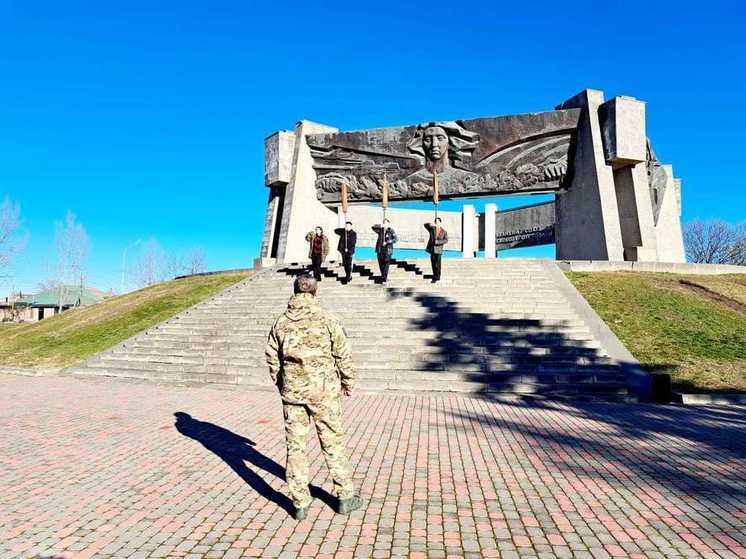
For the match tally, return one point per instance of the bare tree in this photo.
(11, 244)
(738, 254)
(72, 246)
(193, 262)
(152, 265)
(714, 242)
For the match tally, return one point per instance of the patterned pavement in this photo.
(99, 468)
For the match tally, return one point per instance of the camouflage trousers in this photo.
(327, 417)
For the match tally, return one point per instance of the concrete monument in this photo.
(613, 198)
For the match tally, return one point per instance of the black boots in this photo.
(300, 514)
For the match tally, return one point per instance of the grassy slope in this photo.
(672, 328)
(81, 333)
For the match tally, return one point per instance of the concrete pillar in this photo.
(490, 213)
(636, 213)
(302, 210)
(668, 228)
(587, 214)
(470, 230)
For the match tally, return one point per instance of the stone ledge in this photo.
(31, 372)
(712, 399)
(659, 267)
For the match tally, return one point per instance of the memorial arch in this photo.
(613, 199)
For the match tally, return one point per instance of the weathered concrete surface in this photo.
(587, 213)
(482, 156)
(302, 211)
(669, 236)
(103, 469)
(278, 157)
(594, 155)
(30, 371)
(525, 226)
(635, 213)
(623, 131)
(661, 267)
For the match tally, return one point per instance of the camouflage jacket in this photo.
(308, 354)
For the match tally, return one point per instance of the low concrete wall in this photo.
(661, 267)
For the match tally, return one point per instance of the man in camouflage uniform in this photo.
(311, 364)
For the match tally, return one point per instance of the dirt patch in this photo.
(714, 296)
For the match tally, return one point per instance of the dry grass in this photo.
(77, 334)
(674, 328)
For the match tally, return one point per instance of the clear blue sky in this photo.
(147, 119)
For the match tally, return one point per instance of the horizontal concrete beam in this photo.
(659, 267)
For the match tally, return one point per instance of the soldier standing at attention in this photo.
(385, 246)
(436, 242)
(311, 364)
(346, 247)
(317, 250)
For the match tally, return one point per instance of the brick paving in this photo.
(98, 468)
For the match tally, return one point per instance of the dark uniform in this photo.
(436, 242)
(385, 248)
(346, 247)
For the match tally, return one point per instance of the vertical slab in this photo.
(490, 211)
(587, 215)
(270, 224)
(469, 230)
(636, 213)
(668, 228)
(302, 210)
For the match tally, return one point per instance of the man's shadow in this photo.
(237, 451)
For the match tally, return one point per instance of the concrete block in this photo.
(278, 157)
(623, 131)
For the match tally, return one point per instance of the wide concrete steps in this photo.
(490, 326)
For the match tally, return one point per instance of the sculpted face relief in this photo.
(435, 143)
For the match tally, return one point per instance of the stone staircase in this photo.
(488, 326)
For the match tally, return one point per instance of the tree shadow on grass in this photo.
(236, 451)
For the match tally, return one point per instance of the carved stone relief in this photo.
(522, 153)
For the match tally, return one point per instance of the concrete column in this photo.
(636, 213)
(490, 213)
(303, 211)
(469, 231)
(587, 214)
(668, 228)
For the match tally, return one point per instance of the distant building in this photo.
(47, 303)
(12, 309)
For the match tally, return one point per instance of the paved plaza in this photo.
(99, 468)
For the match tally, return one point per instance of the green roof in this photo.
(73, 296)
